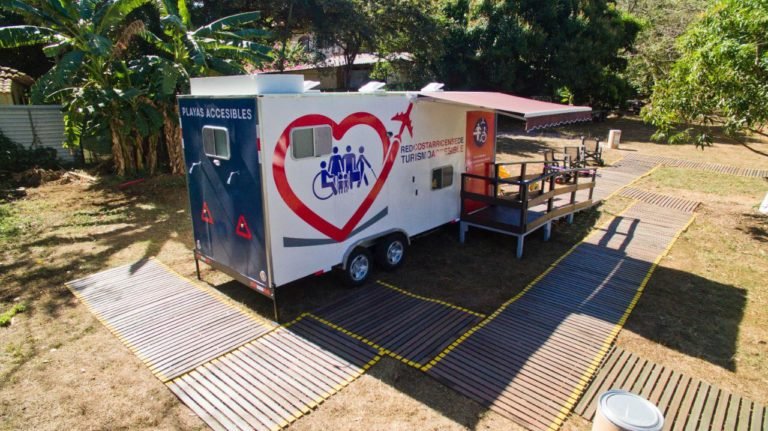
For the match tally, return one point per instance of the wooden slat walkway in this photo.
(680, 204)
(704, 166)
(610, 180)
(687, 403)
(171, 324)
(531, 359)
(407, 327)
(274, 380)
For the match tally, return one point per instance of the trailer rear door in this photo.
(225, 185)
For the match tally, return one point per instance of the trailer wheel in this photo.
(358, 268)
(390, 251)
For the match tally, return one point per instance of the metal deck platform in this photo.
(685, 402)
(531, 359)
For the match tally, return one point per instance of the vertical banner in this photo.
(480, 154)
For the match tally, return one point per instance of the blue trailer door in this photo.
(225, 185)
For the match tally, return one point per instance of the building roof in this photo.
(339, 61)
(535, 113)
(8, 76)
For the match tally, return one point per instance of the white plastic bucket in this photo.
(614, 138)
(619, 410)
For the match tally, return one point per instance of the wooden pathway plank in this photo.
(411, 329)
(503, 363)
(172, 324)
(684, 205)
(273, 380)
(704, 166)
(686, 403)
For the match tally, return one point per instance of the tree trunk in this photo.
(152, 154)
(117, 148)
(139, 149)
(172, 133)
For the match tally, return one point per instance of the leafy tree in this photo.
(27, 59)
(87, 38)
(655, 50)
(535, 48)
(221, 47)
(128, 95)
(720, 78)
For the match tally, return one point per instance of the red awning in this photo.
(535, 113)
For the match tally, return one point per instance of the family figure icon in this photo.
(342, 173)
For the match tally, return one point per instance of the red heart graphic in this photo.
(390, 150)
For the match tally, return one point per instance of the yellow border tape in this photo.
(587, 376)
(528, 287)
(425, 298)
(220, 297)
(215, 295)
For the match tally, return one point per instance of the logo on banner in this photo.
(343, 172)
(480, 132)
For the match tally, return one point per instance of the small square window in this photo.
(311, 142)
(442, 177)
(216, 142)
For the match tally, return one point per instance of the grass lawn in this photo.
(704, 312)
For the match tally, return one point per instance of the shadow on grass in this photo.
(692, 315)
(150, 214)
(757, 226)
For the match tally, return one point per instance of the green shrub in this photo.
(16, 158)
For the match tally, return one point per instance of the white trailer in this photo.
(286, 182)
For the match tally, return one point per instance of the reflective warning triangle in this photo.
(242, 228)
(206, 214)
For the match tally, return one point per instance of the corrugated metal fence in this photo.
(21, 123)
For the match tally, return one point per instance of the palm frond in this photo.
(196, 52)
(113, 12)
(58, 8)
(24, 35)
(239, 54)
(62, 75)
(225, 67)
(246, 34)
(24, 9)
(231, 21)
(172, 24)
(184, 14)
(155, 41)
(56, 49)
(87, 8)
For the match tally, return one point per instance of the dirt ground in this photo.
(705, 310)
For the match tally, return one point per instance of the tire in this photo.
(391, 251)
(358, 267)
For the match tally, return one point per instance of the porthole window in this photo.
(311, 142)
(216, 142)
(442, 177)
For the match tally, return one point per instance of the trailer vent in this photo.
(433, 86)
(372, 87)
(310, 85)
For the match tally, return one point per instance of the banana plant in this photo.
(130, 100)
(87, 38)
(222, 47)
